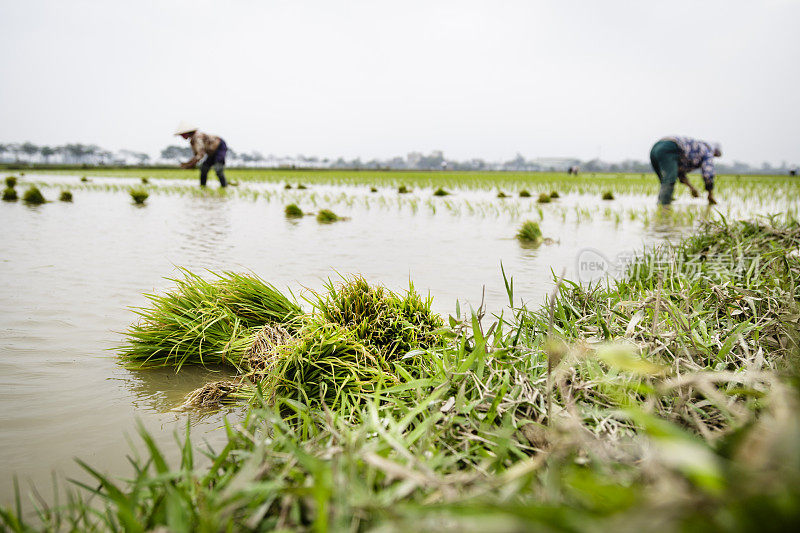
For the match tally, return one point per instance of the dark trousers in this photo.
(216, 160)
(665, 156)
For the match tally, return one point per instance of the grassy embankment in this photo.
(666, 400)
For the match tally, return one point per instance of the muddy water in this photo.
(69, 274)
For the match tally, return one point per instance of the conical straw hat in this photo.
(185, 127)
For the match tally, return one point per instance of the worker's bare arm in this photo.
(683, 179)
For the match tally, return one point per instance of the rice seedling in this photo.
(391, 325)
(205, 322)
(544, 198)
(373, 189)
(9, 194)
(440, 192)
(11, 182)
(554, 195)
(301, 187)
(84, 179)
(501, 194)
(402, 189)
(530, 233)
(608, 195)
(145, 181)
(326, 363)
(524, 193)
(326, 216)
(287, 186)
(66, 196)
(139, 196)
(293, 211)
(33, 196)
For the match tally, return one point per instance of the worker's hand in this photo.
(187, 164)
(694, 192)
(711, 200)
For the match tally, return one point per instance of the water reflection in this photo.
(163, 389)
(205, 227)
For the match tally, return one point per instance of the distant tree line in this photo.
(93, 155)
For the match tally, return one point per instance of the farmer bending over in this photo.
(211, 147)
(673, 157)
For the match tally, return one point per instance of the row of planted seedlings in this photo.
(664, 400)
(758, 188)
(514, 208)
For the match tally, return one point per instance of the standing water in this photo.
(71, 272)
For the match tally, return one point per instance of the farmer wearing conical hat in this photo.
(673, 157)
(211, 147)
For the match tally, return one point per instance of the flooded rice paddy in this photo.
(71, 272)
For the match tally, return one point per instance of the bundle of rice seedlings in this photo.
(287, 186)
(33, 196)
(373, 189)
(501, 194)
(301, 187)
(145, 181)
(530, 233)
(84, 179)
(139, 196)
(202, 321)
(11, 181)
(544, 198)
(608, 195)
(390, 324)
(554, 194)
(326, 216)
(403, 189)
(326, 363)
(66, 196)
(254, 301)
(524, 193)
(9, 194)
(440, 192)
(292, 211)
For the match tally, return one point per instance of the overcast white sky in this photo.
(375, 79)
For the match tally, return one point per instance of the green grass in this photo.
(33, 196)
(666, 399)
(139, 196)
(293, 211)
(9, 194)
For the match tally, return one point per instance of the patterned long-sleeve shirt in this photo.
(203, 144)
(695, 154)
